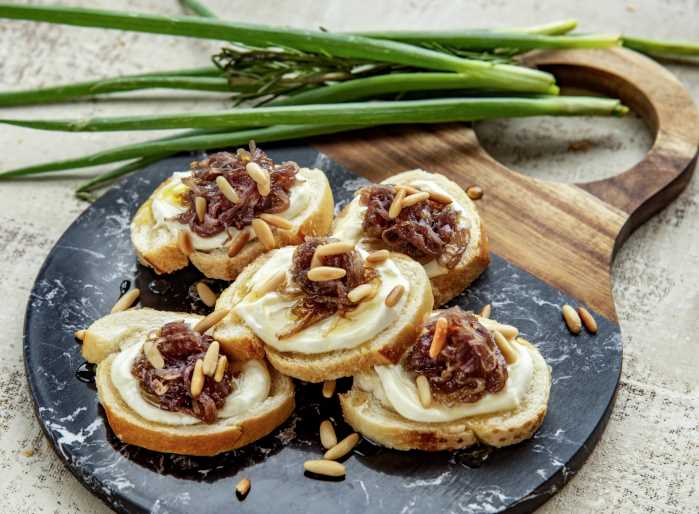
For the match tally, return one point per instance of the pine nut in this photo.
(260, 176)
(328, 438)
(393, 297)
(508, 331)
(328, 468)
(200, 207)
(263, 233)
(396, 204)
(80, 334)
(342, 448)
(357, 294)
(588, 320)
(206, 295)
(486, 310)
(184, 243)
(238, 242)
(227, 189)
(126, 301)
(221, 367)
(272, 283)
(424, 392)
(211, 359)
(408, 189)
(439, 339)
(152, 353)
(323, 273)
(276, 221)
(329, 388)
(475, 192)
(572, 319)
(243, 488)
(209, 321)
(197, 384)
(411, 200)
(337, 248)
(440, 197)
(377, 257)
(505, 348)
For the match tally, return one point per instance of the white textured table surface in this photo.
(648, 458)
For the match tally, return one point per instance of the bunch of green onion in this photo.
(303, 83)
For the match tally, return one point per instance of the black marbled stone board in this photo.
(81, 280)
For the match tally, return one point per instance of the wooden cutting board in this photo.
(564, 234)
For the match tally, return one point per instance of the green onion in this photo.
(357, 113)
(488, 40)
(100, 180)
(556, 28)
(198, 8)
(661, 48)
(340, 45)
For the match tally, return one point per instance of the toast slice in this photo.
(385, 348)
(373, 420)
(446, 284)
(156, 244)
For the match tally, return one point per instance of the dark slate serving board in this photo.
(81, 280)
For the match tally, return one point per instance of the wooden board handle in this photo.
(663, 103)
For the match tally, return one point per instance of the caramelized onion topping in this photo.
(426, 230)
(321, 299)
(170, 387)
(220, 212)
(470, 364)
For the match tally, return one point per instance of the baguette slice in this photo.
(370, 418)
(475, 258)
(385, 348)
(201, 439)
(156, 245)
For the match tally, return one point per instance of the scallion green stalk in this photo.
(661, 48)
(198, 8)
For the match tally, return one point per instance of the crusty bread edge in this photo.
(498, 430)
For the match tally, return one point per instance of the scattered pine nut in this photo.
(276, 221)
(211, 359)
(411, 200)
(184, 243)
(396, 204)
(505, 347)
(342, 448)
(486, 310)
(200, 207)
(127, 300)
(272, 283)
(197, 384)
(588, 320)
(475, 192)
(240, 240)
(80, 334)
(323, 273)
(329, 388)
(209, 321)
(221, 367)
(263, 233)
(328, 468)
(206, 295)
(227, 189)
(393, 297)
(508, 331)
(424, 391)
(377, 257)
(260, 176)
(439, 339)
(242, 488)
(152, 353)
(408, 189)
(337, 248)
(328, 438)
(358, 294)
(572, 319)
(441, 197)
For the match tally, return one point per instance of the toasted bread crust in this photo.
(160, 251)
(370, 418)
(201, 439)
(385, 348)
